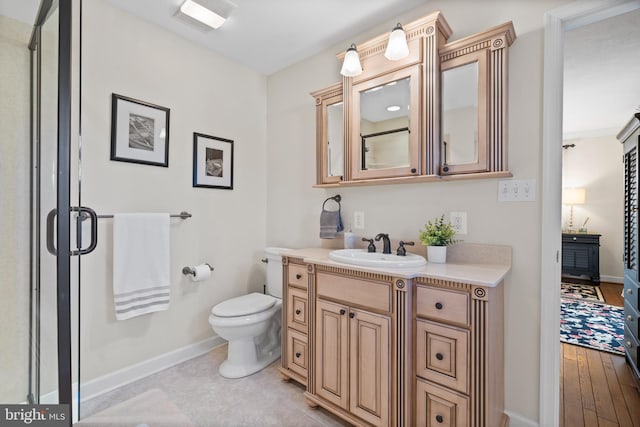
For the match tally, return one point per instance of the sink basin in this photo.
(376, 259)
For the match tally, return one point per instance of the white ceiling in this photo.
(602, 60)
(601, 76)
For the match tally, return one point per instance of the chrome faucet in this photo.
(386, 249)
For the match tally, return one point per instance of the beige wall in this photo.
(595, 165)
(14, 198)
(293, 206)
(206, 93)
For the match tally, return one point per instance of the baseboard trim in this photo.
(124, 376)
(611, 279)
(517, 420)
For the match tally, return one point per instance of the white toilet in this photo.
(251, 324)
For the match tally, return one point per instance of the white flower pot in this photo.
(437, 254)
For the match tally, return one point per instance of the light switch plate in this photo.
(358, 220)
(517, 190)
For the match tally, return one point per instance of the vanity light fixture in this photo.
(397, 46)
(210, 13)
(351, 65)
(393, 108)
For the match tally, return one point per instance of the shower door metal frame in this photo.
(63, 202)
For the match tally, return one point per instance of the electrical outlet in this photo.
(358, 220)
(458, 221)
(517, 190)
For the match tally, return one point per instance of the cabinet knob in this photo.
(629, 291)
(414, 170)
(630, 318)
(439, 356)
(439, 419)
(439, 305)
(575, 238)
(628, 343)
(352, 315)
(298, 276)
(298, 311)
(342, 311)
(298, 354)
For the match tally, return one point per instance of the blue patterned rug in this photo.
(590, 324)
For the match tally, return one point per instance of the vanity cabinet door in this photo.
(332, 352)
(369, 366)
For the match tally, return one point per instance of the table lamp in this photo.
(571, 197)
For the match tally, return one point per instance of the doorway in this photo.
(557, 22)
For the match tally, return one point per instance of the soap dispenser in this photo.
(349, 239)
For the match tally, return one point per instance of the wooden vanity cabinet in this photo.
(379, 350)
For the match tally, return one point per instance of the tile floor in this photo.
(210, 400)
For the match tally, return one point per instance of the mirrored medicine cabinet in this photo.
(438, 114)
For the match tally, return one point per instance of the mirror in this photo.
(463, 114)
(384, 125)
(460, 115)
(385, 139)
(335, 139)
(330, 145)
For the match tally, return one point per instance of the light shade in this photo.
(397, 46)
(351, 66)
(573, 196)
(202, 14)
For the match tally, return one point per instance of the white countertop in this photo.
(484, 274)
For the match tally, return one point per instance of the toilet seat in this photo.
(244, 305)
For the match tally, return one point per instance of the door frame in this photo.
(556, 22)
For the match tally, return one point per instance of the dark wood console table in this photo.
(581, 255)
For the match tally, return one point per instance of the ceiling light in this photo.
(393, 108)
(210, 13)
(351, 66)
(397, 46)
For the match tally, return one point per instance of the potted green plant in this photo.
(436, 236)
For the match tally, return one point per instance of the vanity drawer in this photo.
(298, 276)
(368, 293)
(297, 310)
(631, 318)
(442, 355)
(297, 352)
(442, 304)
(437, 406)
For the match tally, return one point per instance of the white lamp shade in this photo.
(573, 196)
(397, 47)
(351, 66)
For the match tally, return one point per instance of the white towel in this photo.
(141, 250)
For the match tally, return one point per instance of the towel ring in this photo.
(335, 198)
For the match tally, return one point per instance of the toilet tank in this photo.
(274, 271)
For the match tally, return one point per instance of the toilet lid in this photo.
(243, 305)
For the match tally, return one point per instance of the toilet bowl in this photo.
(251, 324)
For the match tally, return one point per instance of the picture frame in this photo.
(139, 131)
(212, 162)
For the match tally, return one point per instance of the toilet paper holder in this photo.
(189, 270)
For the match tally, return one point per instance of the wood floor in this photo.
(597, 388)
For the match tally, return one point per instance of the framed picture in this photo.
(139, 132)
(212, 162)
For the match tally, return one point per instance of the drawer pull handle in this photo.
(298, 354)
(629, 291)
(439, 356)
(342, 311)
(298, 276)
(630, 318)
(439, 419)
(352, 315)
(439, 305)
(628, 344)
(298, 311)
